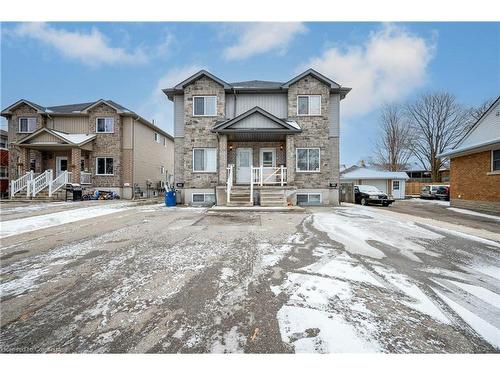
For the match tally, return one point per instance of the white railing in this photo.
(229, 182)
(269, 176)
(85, 178)
(21, 183)
(40, 182)
(59, 182)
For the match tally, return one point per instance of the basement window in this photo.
(308, 199)
(203, 198)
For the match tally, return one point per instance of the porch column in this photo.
(74, 167)
(24, 160)
(222, 159)
(290, 159)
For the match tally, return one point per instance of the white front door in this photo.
(396, 189)
(61, 164)
(243, 165)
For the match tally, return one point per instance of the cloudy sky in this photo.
(62, 63)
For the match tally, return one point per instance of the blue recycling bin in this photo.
(170, 199)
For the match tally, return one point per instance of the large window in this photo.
(495, 162)
(203, 198)
(308, 159)
(204, 106)
(27, 124)
(104, 166)
(204, 160)
(105, 125)
(309, 105)
(304, 199)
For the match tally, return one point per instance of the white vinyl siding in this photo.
(204, 106)
(27, 124)
(308, 159)
(304, 199)
(105, 125)
(309, 105)
(203, 198)
(104, 166)
(204, 160)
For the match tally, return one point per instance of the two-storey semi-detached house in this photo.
(100, 145)
(257, 142)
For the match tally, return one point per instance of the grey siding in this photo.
(179, 116)
(256, 121)
(272, 103)
(334, 121)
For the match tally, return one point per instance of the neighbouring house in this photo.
(99, 145)
(391, 183)
(417, 173)
(475, 164)
(4, 164)
(257, 142)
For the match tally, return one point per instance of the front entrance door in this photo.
(243, 165)
(396, 189)
(61, 164)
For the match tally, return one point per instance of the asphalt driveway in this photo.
(155, 279)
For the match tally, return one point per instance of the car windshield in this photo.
(369, 189)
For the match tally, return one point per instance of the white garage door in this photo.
(379, 184)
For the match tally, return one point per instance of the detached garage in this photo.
(391, 183)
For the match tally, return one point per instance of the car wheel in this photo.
(363, 202)
(385, 204)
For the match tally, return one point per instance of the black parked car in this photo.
(366, 194)
(443, 193)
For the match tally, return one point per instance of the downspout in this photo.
(133, 152)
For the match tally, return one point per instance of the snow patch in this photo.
(474, 213)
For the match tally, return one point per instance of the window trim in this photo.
(157, 138)
(205, 148)
(204, 105)
(97, 169)
(26, 118)
(308, 194)
(104, 132)
(297, 170)
(204, 198)
(309, 105)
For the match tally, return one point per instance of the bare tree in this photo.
(392, 148)
(438, 122)
(477, 112)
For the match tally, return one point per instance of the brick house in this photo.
(475, 164)
(257, 142)
(100, 145)
(4, 164)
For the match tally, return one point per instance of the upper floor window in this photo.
(204, 160)
(495, 162)
(204, 106)
(105, 125)
(309, 105)
(308, 159)
(165, 141)
(157, 138)
(3, 142)
(27, 124)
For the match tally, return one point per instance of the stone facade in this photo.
(473, 184)
(197, 132)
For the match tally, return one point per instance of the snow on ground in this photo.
(14, 227)
(474, 213)
(35, 207)
(429, 201)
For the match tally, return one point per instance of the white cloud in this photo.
(386, 68)
(89, 48)
(157, 107)
(257, 38)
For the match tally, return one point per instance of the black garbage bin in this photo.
(77, 194)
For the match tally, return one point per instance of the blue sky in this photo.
(60, 63)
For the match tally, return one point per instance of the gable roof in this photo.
(481, 136)
(315, 74)
(198, 75)
(8, 110)
(283, 125)
(70, 139)
(362, 173)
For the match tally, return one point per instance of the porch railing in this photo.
(269, 176)
(40, 182)
(85, 178)
(21, 183)
(59, 182)
(229, 182)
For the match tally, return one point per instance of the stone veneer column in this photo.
(76, 156)
(290, 159)
(222, 159)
